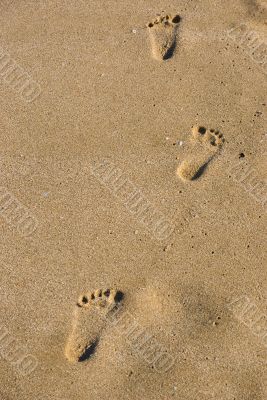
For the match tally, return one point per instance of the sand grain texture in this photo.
(177, 110)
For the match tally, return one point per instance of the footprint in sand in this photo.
(163, 36)
(92, 314)
(206, 145)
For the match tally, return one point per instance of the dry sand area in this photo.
(133, 200)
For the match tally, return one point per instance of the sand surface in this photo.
(133, 200)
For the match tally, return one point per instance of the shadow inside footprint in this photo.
(200, 171)
(170, 52)
(206, 146)
(119, 296)
(88, 352)
(92, 314)
(163, 36)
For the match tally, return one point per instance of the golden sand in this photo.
(133, 200)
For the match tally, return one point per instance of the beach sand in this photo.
(133, 200)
